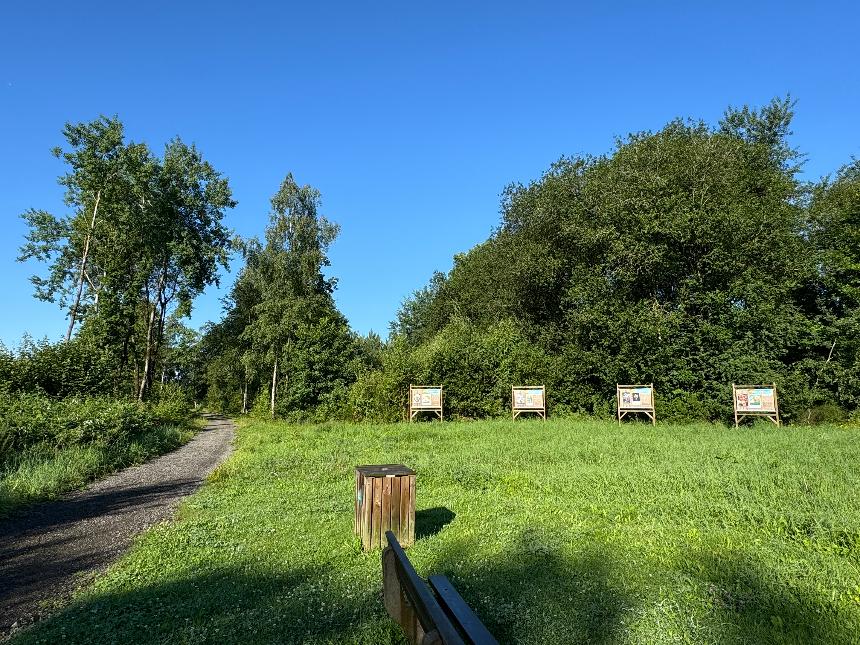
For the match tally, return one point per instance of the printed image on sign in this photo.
(528, 399)
(636, 397)
(429, 397)
(759, 399)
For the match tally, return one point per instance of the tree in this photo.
(187, 241)
(145, 237)
(835, 236)
(94, 180)
(287, 272)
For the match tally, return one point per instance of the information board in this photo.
(528, 398)
(635, 398)
(755, 400)
(425, 398)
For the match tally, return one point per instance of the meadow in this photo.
(562, 531)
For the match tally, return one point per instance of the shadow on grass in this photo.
(224, 606)
(749, 604)
(526, 594)
(429, 521)
(529, 594)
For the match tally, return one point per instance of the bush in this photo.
(77, 367)
(30, 419)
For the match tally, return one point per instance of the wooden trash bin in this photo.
(384, 501)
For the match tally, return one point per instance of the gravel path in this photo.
(56, 547)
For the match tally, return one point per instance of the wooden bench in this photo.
(440, 616)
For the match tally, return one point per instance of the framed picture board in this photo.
(425, 398)
(528, 398)
(755, 401)
(635, 398)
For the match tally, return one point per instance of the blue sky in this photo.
(410, 118)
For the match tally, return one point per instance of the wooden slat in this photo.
(357, 527)
(404, 509)
(366, 515)
(395, 505)
(376, 520)
(385, 519)
(459, 611)
(411, 510)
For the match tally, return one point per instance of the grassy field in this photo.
(556, 532)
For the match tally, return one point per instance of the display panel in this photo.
(755, 399)
(528, 398)
(426, 398)
(636, 398)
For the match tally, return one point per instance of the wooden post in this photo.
(735, 403)
(385, 500)
(776, 403)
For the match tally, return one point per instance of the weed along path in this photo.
(50, 549)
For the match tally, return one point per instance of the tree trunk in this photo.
(147, 362)
(74, 311)
(245, 398)
(146, 378)
(274, 385)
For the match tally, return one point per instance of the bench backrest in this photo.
(427, 619)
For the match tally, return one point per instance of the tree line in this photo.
(691, 257)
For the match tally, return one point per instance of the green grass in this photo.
(556, 532)
(42, 472)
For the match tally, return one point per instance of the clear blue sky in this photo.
(410, 118)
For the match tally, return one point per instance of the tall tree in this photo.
(145, 237)
(188, 241)
(94, 185)
(287, 272)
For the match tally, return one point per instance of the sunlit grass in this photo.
(555, 532)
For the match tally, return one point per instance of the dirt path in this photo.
(48, 552)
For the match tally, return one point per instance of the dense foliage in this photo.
(692, 258)
(28, 420)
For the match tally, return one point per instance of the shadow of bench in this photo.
(440, 616)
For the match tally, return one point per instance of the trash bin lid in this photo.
(385, 470)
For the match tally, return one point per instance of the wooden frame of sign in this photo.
(631, 398)
(526, 402)
(425, 401)
(742, 401)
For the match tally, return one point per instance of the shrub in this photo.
(30, 419)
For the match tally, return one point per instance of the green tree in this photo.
(144, 237)
(287, 272)
(94, 190)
